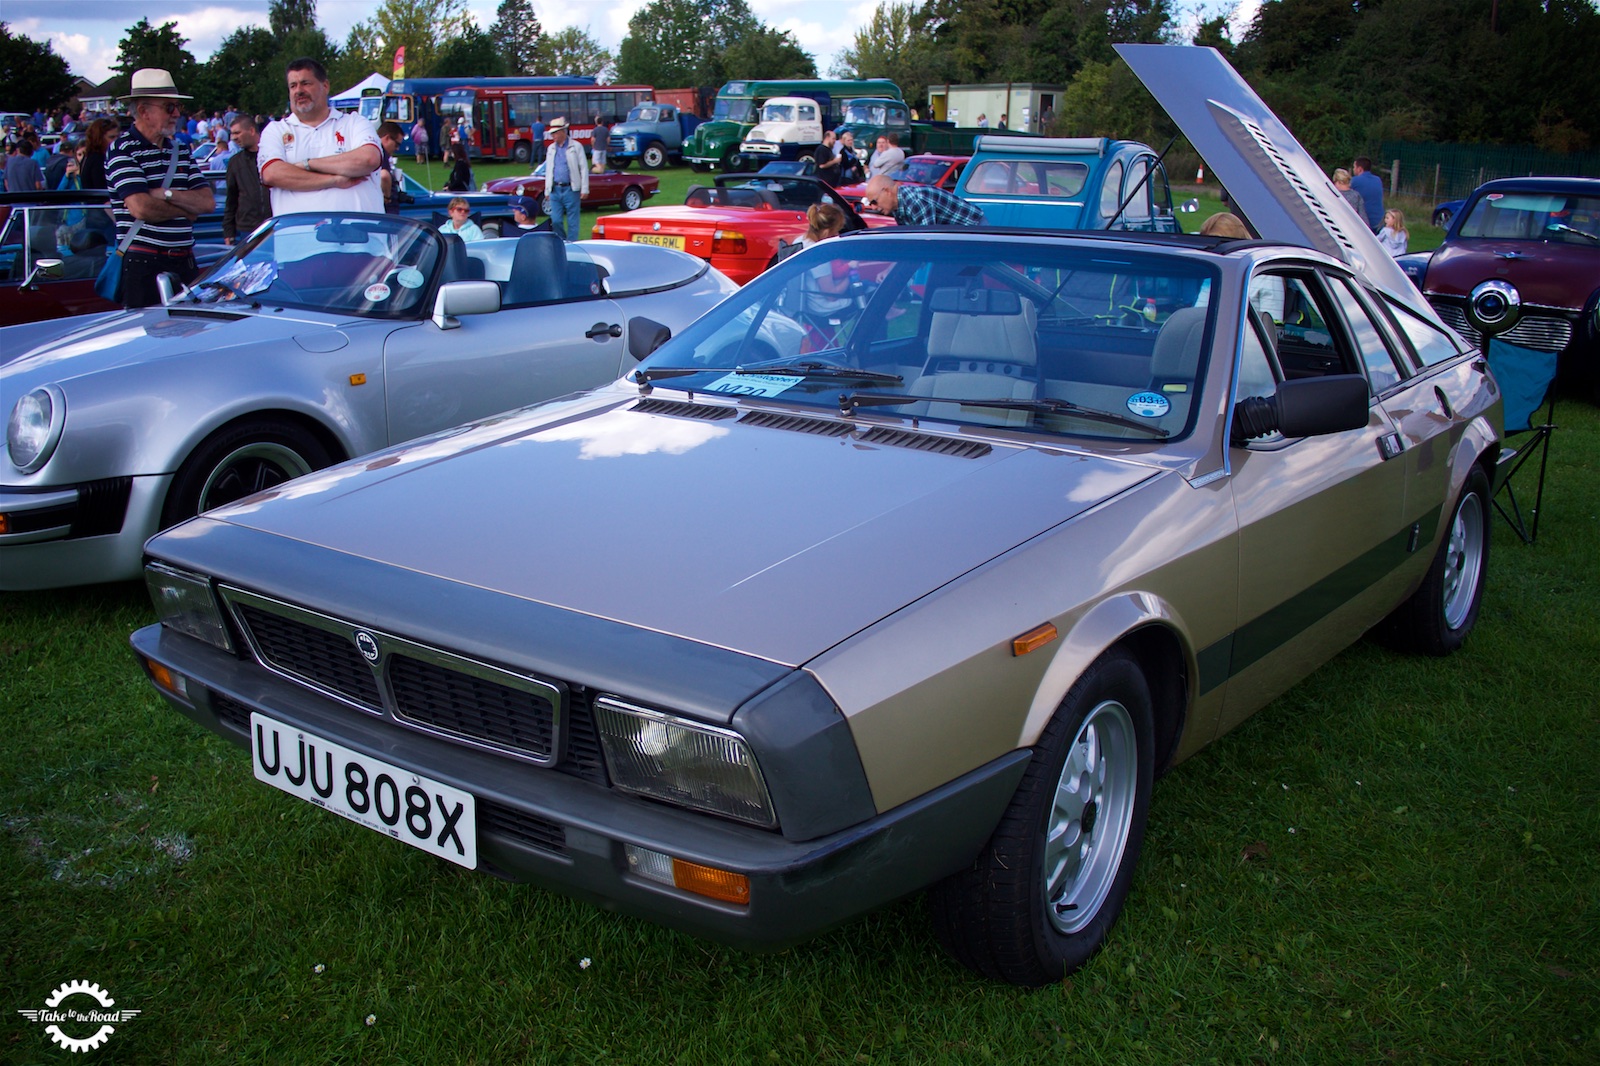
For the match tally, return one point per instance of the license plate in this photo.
(412, 809)
(659, 238)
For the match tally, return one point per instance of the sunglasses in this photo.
(171, 109)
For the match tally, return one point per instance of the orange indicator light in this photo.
(358, 379)
(710, 881)
(165, 678)
(1034, 639)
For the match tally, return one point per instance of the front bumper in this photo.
(568, 833)
(77, 534)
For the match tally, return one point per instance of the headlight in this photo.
(630, 144)
(35, 427)
(185, 603)
(682, 762)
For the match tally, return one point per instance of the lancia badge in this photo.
(367, 645)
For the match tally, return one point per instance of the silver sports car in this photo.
(319, 339)
(910, 565)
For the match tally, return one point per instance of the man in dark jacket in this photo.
(248, 203)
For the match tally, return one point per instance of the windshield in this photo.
(866, 115)
(734, 109)
(777, 113)
(1535, 216)
(922, 171)
(644, 114)
(1052, 340)
(373, 265)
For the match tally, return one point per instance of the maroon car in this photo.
(608, 189)
(1527, 249)
(926, 169)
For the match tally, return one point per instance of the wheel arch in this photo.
(337, 446)
(1148, 627)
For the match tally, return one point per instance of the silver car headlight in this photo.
(34, 428)
(630, 144)
(682, 762)
(184, 602)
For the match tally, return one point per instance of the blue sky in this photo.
(86, 32)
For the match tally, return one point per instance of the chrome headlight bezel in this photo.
(682, 762)
(187, 603)
(31, 439)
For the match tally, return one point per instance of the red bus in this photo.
(500, 119)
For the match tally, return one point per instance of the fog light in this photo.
(705, 881)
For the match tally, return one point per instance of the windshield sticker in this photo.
(754, 384)
(377, 292)
(1149, 404)
(410, 278)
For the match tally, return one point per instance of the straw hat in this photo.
(558, 124)
(154, 83)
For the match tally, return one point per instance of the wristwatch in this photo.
(166, 194)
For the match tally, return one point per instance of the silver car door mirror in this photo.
(49, 269)
(464, 298)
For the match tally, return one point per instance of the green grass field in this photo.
(1397, 861)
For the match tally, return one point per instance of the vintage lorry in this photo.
(869, 117)
(717, 143)
(1069, 183)
(653, 134)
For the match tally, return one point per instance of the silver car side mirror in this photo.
(1189, 206)
(464, 298)
(49, 269)
(167, 286)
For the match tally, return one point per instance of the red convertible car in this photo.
(608, 189)
(941, 170)
(738, 224)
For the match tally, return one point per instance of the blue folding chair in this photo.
(1525, 376)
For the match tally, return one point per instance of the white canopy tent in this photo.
(351, 97)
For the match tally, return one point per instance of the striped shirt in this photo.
(134, 165)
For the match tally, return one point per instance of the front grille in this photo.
(230, 712)
(615, 143)
(471, 707)
(309, 653)
(519, 825)
(102, 505)
(1544, 333)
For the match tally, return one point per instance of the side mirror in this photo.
(1305, 407)
(1189, 206)
(167, 286)
(464, 298)
(645, 335)
(49, 269)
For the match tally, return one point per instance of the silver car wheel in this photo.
(1090, 819)
(1463, 561)
(249, 469)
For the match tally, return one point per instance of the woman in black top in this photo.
(461, 173)
(102, 132)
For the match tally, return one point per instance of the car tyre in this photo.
(700, 168)
(632, 198)
(1443, 610)
(521, 152)
(738, 163)
(1040, 898)
(654, 157)
(238, 460)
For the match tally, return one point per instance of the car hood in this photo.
(1275, 182)
(1544, 273)
(82, 346)
(765, 540)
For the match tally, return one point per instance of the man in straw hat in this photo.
(566, 179)
(318, 158)
(156, 191)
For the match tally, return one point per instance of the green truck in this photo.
(868, 117)
(715, 143)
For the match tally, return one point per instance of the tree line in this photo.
(1345, 75)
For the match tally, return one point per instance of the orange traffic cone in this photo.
(1200, 175)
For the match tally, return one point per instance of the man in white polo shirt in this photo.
(318, 158)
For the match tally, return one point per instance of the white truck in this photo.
(790, 128)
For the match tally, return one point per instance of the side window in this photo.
(991, 176)
(1139, 207)
(1298, 308)
(1375, 354)
(1430, 344)
(1256, 374)
(1110, 190)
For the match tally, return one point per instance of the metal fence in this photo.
(1450, 171)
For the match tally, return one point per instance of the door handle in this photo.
(1444, 402)
(602, 329)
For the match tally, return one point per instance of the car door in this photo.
(29, 235)
(516, 356)
(1323, 536)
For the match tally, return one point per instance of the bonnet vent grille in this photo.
(797, 424)
(710, 412)
(926, 442)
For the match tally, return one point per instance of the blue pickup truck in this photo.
(653, 134)
(1068, 183)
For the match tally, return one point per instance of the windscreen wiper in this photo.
(815, 368)
(1562, 227)
(1061, 407)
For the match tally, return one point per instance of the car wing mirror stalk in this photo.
(645, 335)
(43, 268)
(1305, 407)
(464, 298)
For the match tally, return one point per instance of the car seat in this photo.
(538, 270)
(982, 345)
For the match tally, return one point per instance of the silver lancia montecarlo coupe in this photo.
(911, 565)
